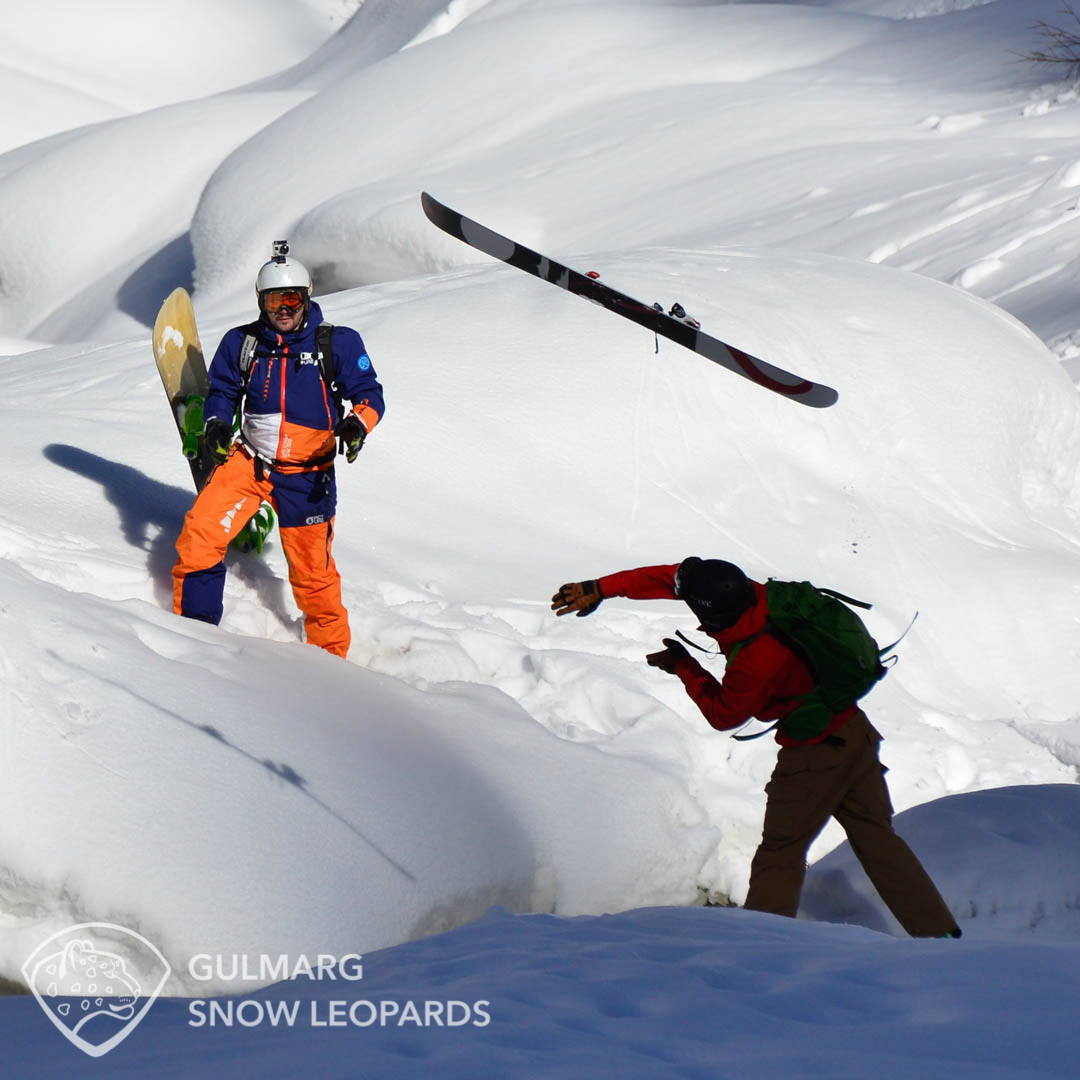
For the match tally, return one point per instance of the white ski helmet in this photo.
(282, 272)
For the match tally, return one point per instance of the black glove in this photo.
(668, 657)
(217, 438)
(351, 432)
(581, 596)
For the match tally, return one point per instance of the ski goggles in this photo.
(275, 300)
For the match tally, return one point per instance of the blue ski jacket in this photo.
(289, 413)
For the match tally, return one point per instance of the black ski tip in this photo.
(442, 217)
(431, 207)
(814, 395)
(821, 397)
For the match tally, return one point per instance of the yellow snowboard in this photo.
(182, 368)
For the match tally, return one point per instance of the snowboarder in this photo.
(273, 370)
(836, 773)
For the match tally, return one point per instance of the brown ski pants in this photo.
(847, 782)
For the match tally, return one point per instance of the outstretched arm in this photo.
(645, 583)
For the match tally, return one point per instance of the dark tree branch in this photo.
(1059, 45)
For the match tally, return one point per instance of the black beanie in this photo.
(717, 592)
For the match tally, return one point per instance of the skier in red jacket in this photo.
(835, 774)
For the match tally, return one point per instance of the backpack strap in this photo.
(888, 661)
(740, 645)
(324, 346)
(846, 599)
(757, 734)
(247, 355)
(247, 349)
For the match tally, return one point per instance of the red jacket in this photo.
(764, 679)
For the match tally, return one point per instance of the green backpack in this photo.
(822, 630)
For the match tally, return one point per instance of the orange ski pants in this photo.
(305, 504)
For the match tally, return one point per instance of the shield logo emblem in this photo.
(95, 982)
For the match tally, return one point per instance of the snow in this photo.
(489, 804)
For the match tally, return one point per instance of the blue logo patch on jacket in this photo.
(364, 362)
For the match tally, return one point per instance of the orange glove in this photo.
(581, 596)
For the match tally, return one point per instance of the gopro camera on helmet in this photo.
(283, 272)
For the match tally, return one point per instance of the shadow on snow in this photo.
(151, 516)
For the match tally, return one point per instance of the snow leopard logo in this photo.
(83, 980)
